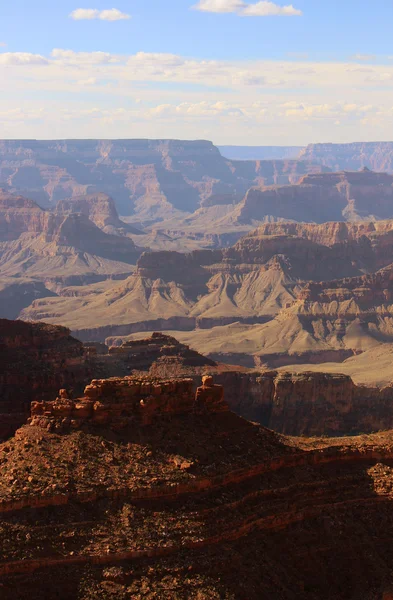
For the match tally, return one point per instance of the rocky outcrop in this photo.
(261, 275)
(127, 402)
(16, 295)
(163, 350)
(352, 314)
(59, 248)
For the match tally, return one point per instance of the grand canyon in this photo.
(196, 385)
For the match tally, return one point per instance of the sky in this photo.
(242, 72)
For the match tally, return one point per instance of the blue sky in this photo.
(242, 72)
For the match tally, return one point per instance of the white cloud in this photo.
(3, 44)
(22, 58)
(81, 14)
(113, 15)
(88, 14)
(220, 6)
(270, 9)
(264, 8)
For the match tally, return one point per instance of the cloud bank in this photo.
(164, 95)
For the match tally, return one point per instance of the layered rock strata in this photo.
(195, 505)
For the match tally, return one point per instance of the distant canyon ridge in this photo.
(156, 179)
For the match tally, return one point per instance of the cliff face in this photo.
(377, 156)
(192, 502)
(146, 177)
(319, 198)
(308, 403)
(35, 359)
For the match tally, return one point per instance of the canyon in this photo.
(235, 274)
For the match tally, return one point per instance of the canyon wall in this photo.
(35, 360)
(308, 403)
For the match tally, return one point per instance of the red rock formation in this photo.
(210, 397)
(194, 506)
(119, 403)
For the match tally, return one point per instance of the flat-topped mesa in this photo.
(129, 401)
